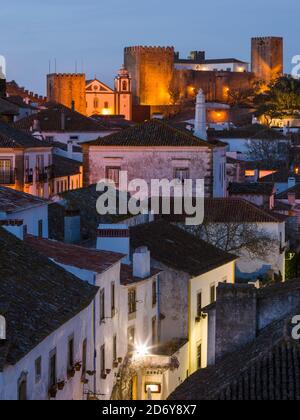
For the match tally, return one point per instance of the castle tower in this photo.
(200, 117)
(151, 69)
(68, 90)
(267, 58)
(123, 94)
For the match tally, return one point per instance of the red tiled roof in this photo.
(73, 255)
(12, 138)
(251, 188)
(50, 119)
(63, 166)
(12, 200)
(153, 133)
(127, 277)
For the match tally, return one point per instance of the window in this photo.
(199, 356)
(115, 353)
(131, 301)
(52, 369)
(113, 299)
(84, 356)
(96, 103)
(40, 228)
(182, 174)
(6, 175)
(49, 139)
(38, 370)
(124, 85)
(106, 105)
(74, 138)
(154, 293)
(102, 305)
(154, 331)
(199, 304)
(22, 387)
(131, 339)
(113, 174)
(102, 361)
(212, 294)
(249, 173)
(2, 328)
(70, 352)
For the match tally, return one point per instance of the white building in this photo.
(156, 150)
(46, 316)
(31, 211)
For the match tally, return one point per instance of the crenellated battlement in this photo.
(145, 49)
(66, 75)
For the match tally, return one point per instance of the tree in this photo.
(245, 239)
(268, 150)
(280, 100)
(174, 90)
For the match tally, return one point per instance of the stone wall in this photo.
(68, 90)
(151, 69)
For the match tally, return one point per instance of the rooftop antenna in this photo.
(55, 65)
(76, 66)
(49, 66)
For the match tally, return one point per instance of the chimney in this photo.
(200, 117)
(73, 106)
(292, 198)
(15, 227)
(236, 318)
(291, 182)
(36, 126)
(70, 149)
(72, 226)
(142, 263)
(114, 238)
(2, 328)
(63, 120)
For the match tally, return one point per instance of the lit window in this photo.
(131, 301)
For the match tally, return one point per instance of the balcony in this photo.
(7, 177)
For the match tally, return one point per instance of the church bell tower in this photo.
(123, 91)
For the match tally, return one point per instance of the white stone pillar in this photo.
(200, 117)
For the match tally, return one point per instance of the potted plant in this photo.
(60, 385)
(91, 372)
(84, 381)
(71, 372)
(120, 360)
(115, 364)
(52, 391)
(103, 375)
(78, 366)
(108, 371)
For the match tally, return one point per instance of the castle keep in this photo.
(267, 58)
(68, 90)
(151, 69)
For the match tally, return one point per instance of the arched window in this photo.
(96, 103)
(22, 387)
(124, 85)
(2, 328)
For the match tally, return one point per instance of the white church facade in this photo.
(105, 101)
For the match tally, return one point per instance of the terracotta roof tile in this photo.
(153, 133)
(11, 137)
(12, 200)
(73, 255)
(40, 297)
(178, 249)
(50, 119)
(253, 188)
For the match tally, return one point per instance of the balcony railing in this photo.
(7, 177)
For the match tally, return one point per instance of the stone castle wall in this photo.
(67, 89)
(151, 69)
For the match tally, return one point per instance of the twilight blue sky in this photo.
(94, 32)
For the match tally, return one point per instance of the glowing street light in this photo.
(141, 351)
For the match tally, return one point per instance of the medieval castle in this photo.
(150, 73)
